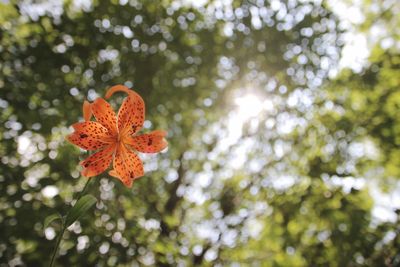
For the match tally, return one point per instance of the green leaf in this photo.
(49, 219)
(82, 206)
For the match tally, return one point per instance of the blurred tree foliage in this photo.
(268, 198)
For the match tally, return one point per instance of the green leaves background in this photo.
(285, 204)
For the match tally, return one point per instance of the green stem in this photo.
(84, 188)
(64, 226)
(57, 244)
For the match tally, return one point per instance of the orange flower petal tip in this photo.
(161, 133)
(113, 173)
(87, 173)
(69, 139)
(128, 184)
(117, 88)
(87, 111)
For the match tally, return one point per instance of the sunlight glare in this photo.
(249, 106)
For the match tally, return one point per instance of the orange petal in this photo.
(113, 173)
(104, 114)
(87, 110)
(131, 115)
(89, 135)
(117, 88)
(131, 112)
(98, 162)
(127, 166)
(152, 142)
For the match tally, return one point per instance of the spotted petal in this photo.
(89, 135)
(132, 111)
(127, 166)
(104, 114)
(98, 162)
(152, 142)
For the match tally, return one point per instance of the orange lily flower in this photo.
(115, 137)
